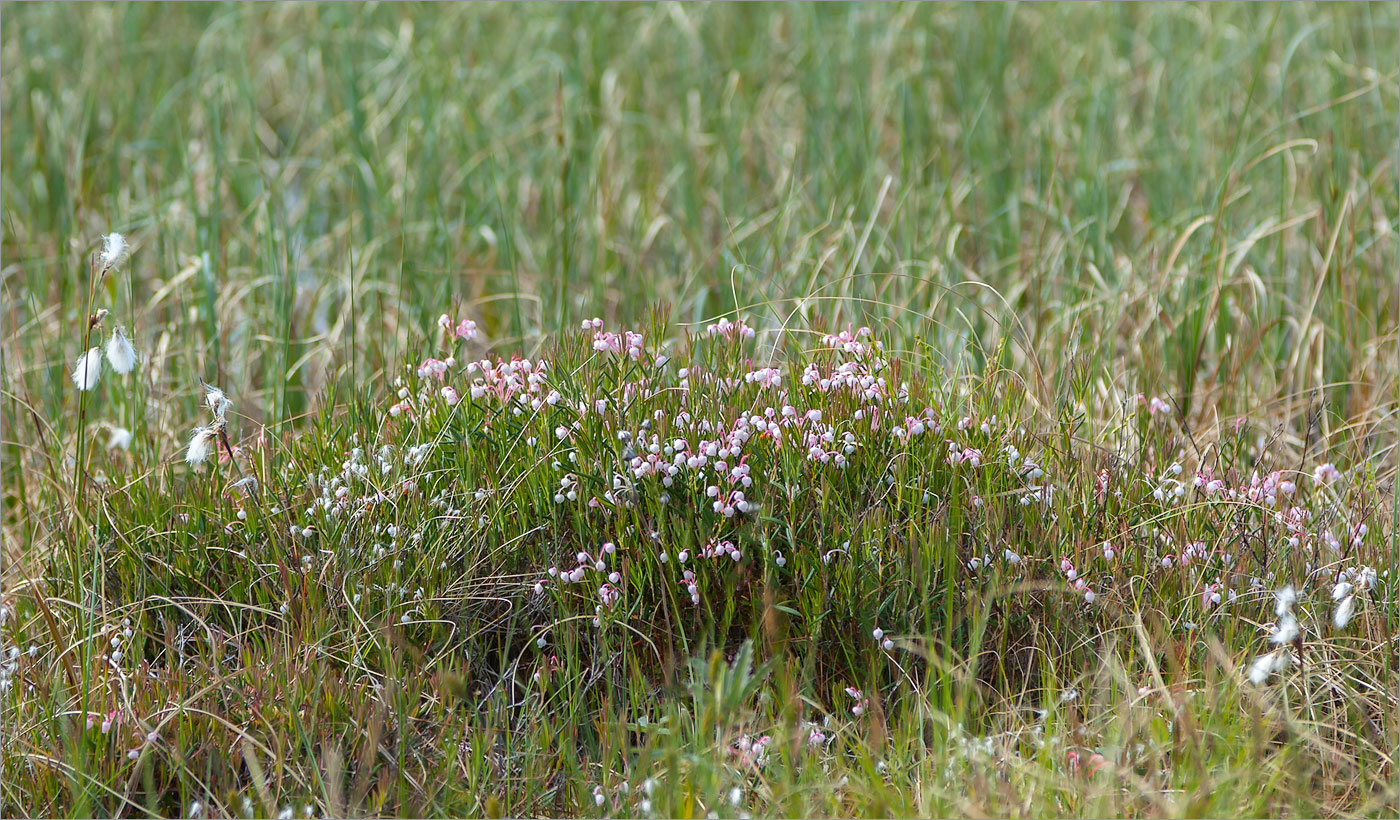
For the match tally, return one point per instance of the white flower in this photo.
(114, 250)
(201, 445)
(120, 439)
(120, 354)
(88, 369)
(1266, 665)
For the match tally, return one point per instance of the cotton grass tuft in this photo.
(202, 445)
(114, 250)
(120, 354)
(88, 369)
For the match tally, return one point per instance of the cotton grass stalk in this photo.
(88, 369)
(120, 354)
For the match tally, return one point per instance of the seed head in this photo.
(120, 354)
(215, 399)
(114, 250)
(1345, 610)
(88, 369)
(120, 439)
(202, 444)
(1266, 665)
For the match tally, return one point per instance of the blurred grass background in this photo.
(1163, 197)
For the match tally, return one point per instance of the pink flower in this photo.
(1096, 762)
(767, 377)
(1206, 480)
(627, 342)
(433, 367)
(730, 330)
(1326, 474)
(850, 342)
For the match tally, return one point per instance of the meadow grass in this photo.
(969, 387)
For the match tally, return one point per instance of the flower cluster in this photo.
(726, 329)
(627, 343)
(1155, 405)
(465, 329)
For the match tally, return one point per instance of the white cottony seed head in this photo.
(120, 439)
(215, 399)
(1344, 612)
(1286, 631)
(114, 250)
(88, 369)
(1266, 665)
(201, 446)
(120, 354)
